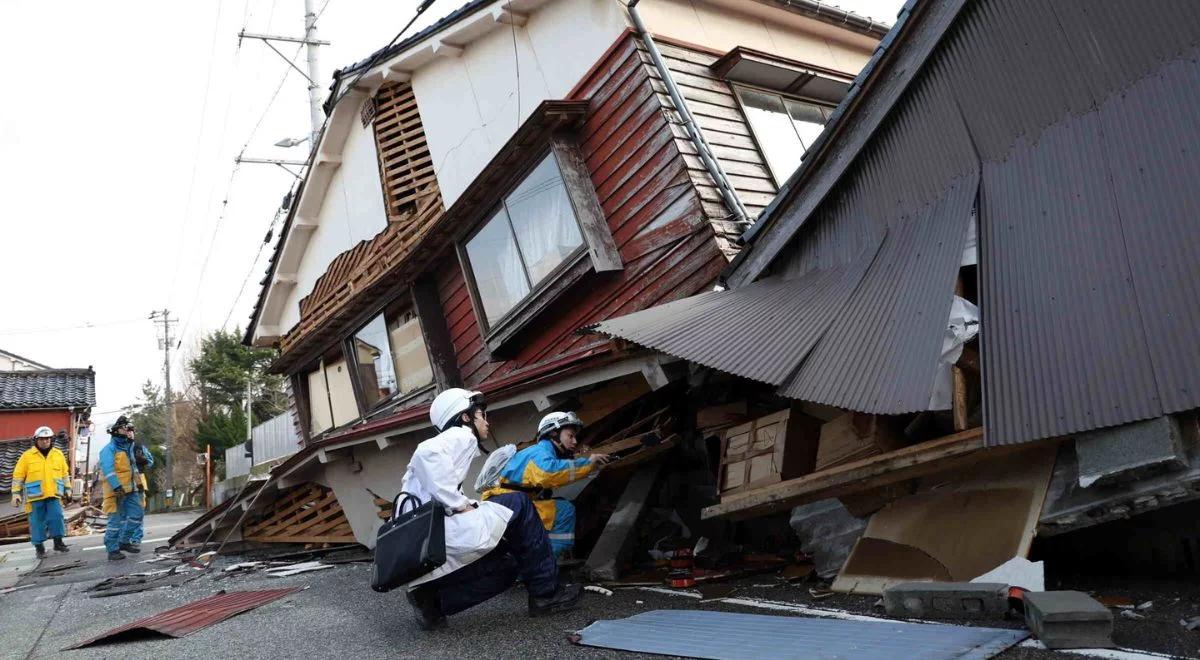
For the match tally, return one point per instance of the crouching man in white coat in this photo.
(488, 544)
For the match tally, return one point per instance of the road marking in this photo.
(100, 547)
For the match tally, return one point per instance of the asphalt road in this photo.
(338, 616)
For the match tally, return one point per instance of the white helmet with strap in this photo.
(43, 432)
(557, 420)
(448, 405)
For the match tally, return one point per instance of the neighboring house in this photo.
(59, 398)
(14, 362)
(1064, 139)
(518, 170)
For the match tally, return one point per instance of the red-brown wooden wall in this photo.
(653, 210)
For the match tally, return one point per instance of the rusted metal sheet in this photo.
(189, 618)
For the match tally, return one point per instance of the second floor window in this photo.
(784, 127)
(532, 233)
(390, 358)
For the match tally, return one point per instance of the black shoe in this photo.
(59, 546)
(131, 547)
(426, 609)
(115, 556)
(566, 597)
(40, 549)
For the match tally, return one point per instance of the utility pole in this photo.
(164, 318)
(311, 43)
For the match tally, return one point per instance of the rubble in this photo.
(947, 600)
(1068, 620)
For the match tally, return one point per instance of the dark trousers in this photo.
(524, 551)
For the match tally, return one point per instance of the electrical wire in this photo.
(187, 207)
(81, 326)
(421, 8)
(516, 57)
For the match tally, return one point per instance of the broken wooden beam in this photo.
(948, 452)
(604, 563)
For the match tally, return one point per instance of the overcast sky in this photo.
(117, 138)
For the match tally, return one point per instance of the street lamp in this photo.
(287, 143)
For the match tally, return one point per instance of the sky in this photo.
(118, 190)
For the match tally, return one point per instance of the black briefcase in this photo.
(410, 544)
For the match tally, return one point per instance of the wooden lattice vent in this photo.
(309, 513)
(413, 203)
(405, 164)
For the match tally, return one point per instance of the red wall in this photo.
(22, 423)
(653, 211)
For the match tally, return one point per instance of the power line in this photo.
(81, 326)
(187, 210)
(425, 4)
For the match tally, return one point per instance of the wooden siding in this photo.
(652, 206)
(358, 277)
(720, 117)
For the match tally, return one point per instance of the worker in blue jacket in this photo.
(548, 464)
(123, 486)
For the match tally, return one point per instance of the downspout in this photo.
(689, 122)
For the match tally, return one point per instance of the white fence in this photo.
(273, 439)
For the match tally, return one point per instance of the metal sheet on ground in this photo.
(189, 618)
(720, 635)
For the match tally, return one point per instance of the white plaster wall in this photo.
(725, 24)
(377, 471)
(353, 211)
(469, 104)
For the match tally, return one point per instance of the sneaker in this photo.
(565, 598)
(131, 547)
(59, 546)
(426, 609)
(115, 556)
(40, 550)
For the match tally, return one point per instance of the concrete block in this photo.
(1068, 620)
(1129, 451)
(947, 600)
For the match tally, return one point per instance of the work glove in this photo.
(67, 496)
(119, 493)
(16, 500)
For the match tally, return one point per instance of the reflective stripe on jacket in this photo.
(118, 468)
(39, 477)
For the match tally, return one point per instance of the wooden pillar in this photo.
(959, 397)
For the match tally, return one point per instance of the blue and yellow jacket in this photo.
(538, 467)
(118, 468)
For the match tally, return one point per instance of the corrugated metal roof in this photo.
(47, 388)
(189, 618)
(1083, 121)
(761, 331)
(881, 353)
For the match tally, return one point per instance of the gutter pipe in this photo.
(706, 156)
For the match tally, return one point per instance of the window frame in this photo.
(392, 309)
(784, 96)
(597, 251)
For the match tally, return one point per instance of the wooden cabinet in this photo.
(767, 450)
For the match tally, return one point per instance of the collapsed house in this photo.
(489, 185)
(973, 312)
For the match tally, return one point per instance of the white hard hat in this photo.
(43, 432)
(556, 420)
(447, 405)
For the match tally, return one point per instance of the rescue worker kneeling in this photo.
(488, 544)
(550, 463)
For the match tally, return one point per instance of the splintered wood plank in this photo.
(953, 450)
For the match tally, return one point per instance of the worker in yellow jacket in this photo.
(40, 481)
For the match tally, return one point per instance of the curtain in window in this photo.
(543, 220)
(319, 415)
(499, 276)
